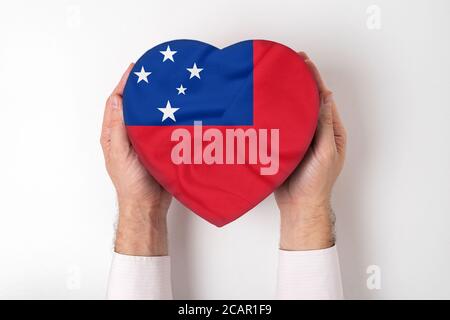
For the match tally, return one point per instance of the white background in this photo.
(59, 60)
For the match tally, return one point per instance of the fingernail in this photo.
(114, 102)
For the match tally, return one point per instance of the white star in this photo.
(168, 112)
(168, 55)
(195, 72)
(181, 89)
(142, 75)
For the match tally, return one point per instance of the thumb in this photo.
(119, 138)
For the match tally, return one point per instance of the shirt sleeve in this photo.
(139, 278)
(309, 275)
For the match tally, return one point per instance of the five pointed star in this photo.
(181, 89)
(168, 55)
(195, 72)
(142, 75)
(168, 112)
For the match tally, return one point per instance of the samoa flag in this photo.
(220, 129)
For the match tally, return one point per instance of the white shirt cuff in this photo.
(139, 278)
(309, 275)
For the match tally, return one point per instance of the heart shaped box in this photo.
(220, 129)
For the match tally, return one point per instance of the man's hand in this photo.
(307, 221)
(143, 203)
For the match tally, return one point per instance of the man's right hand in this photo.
(143, 203)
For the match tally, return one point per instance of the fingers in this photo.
(113, 124)
(323, 89)
(118, 133)
(325, 129)
(330, 129)
(327, 99)
(340, 133)
(118, 90)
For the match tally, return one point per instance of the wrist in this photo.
(307, 227)
(141, 230)
(140, 207)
